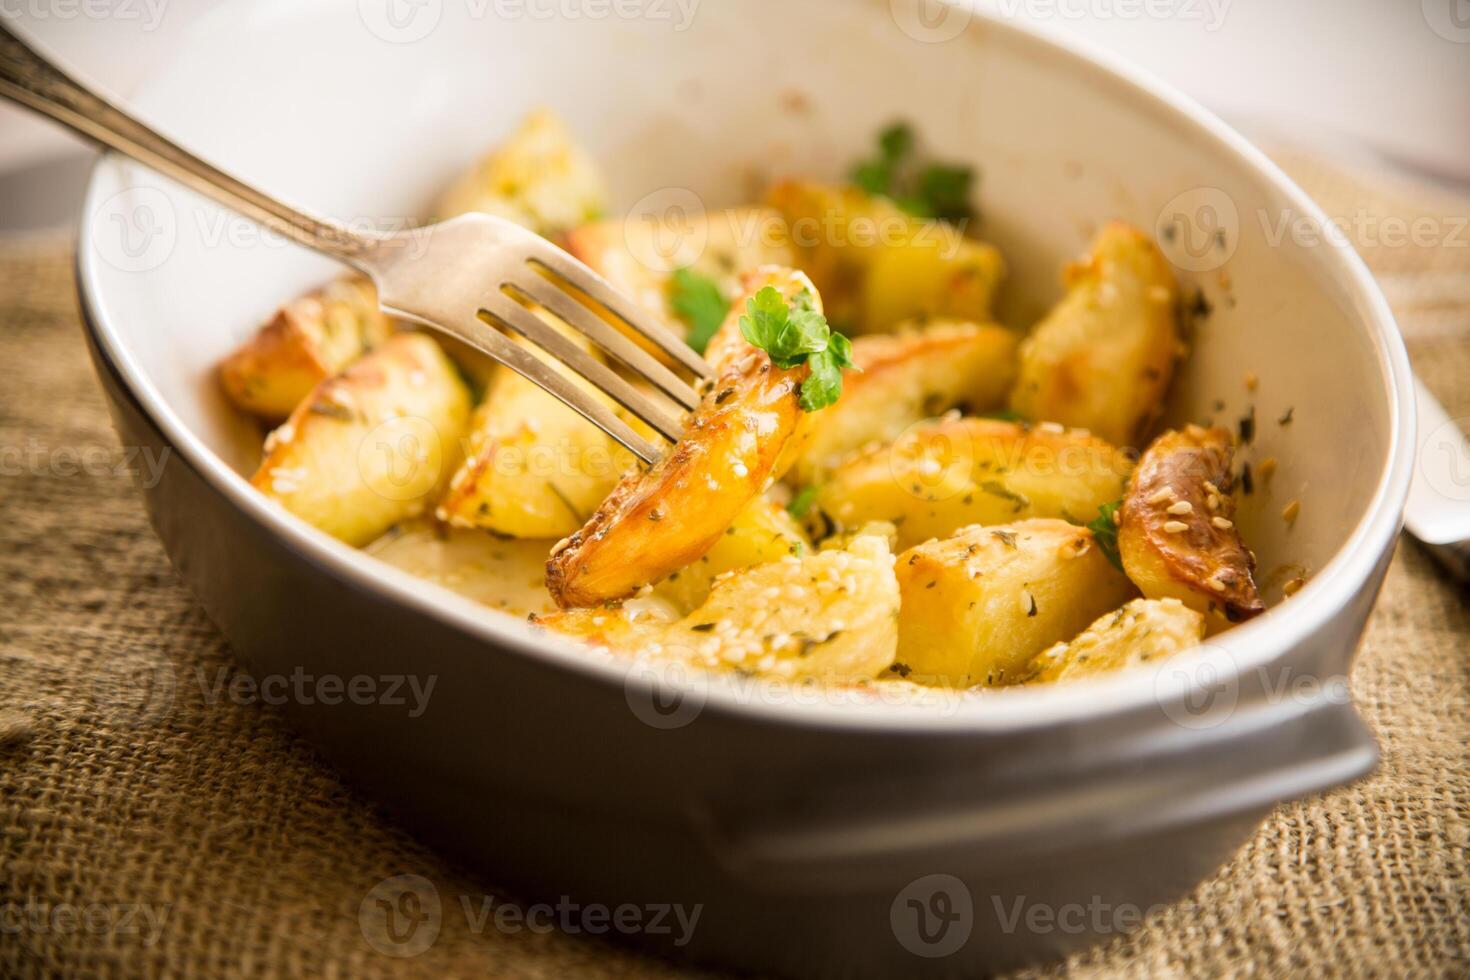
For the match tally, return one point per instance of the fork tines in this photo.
(554, 281)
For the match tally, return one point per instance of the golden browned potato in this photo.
(877, 266)
(979, 605)
(932, 274)
(954, 472)
(1177, 538)
(307, 341)
(1144, 630)
(371, 446)
(1102, 358)
(920, 372)
(640, 256)
(763, 533)
(541, 179)
(659, 521)
(828, 616)
(534, 467)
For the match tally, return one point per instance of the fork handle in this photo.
(31, 79)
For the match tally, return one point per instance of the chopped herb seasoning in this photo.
(1247, 426)
(1105, 533)
(702, 627)
(900, 668)
(1285, 419)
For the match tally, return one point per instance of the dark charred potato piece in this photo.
(1177, 537)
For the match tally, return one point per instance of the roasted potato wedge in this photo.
(371, 446)
(659, 521)
(307, 341)
(979, 605)
(763, 533)
(932, 274)
(877, 266)
(1144, 630)
(1176, 536)
(541, 179)
(534, 467)
(829, 616)
(924, 370)
(953, 472)
(1102, 358)
(640, 257)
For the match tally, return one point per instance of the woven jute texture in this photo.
(150, 829)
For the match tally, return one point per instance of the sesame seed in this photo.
(740, 469)
(1251, 380)
(1211, 487)
(1158, 294)
(1290, 511)
(1215, 585)
(1160, 495)
(1213, 501)
(1222, 523)
(1267, 469)
(1293, 586)
(1175, 527)
(1118, 518)
(1052, 427)
(1182, 507)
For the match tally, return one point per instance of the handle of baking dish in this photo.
(34, 81)
(1234, 774)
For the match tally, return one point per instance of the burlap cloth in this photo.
(145, 833)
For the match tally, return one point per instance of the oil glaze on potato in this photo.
(877, 266)
(659, 521)
(540, 178)
(307, 341)
(763, 533)
(1177, 537)
(639, 255)
(1102, 358)
(829, 616)
(534, 468)
(1143, 631)
(922, 371)
(370, 447)
(953, 472)
(977, 606)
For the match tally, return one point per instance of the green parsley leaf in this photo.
(946, 191)
(802, 502)
(936, 190)
(1105, 532)
(796, 332)
(699, 302)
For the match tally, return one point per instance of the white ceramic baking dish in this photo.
(824, 837)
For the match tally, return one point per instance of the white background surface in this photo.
(1393, 75)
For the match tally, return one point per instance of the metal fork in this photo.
(477, 273)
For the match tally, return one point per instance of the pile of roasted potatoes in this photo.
(982, 506)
